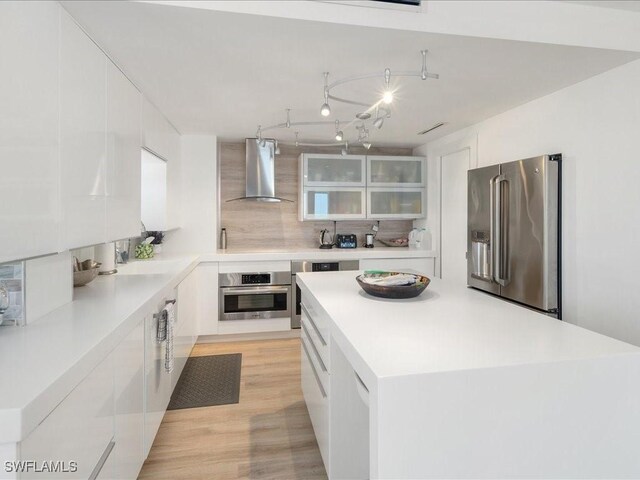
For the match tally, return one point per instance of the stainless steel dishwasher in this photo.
(313, 266)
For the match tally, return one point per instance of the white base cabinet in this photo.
(157, 381)
(128, 452)
(207, 312)
(315, 377)
(186, 328)
(80, 429)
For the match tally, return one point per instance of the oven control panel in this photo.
(256, 278)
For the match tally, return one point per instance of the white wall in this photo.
(595, 125)
(199, 192)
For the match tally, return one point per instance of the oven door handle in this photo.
(253, 290)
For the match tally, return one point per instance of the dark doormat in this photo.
(206, 381)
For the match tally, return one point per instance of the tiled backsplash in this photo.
(12, 276)
(252, 225)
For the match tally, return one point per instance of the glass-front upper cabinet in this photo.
(340, 203)
(395, 203)
(400, 172)
(333, 170)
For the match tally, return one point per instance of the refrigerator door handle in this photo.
(492, 220)
(498, 223)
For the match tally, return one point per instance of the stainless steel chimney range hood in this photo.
(260, 170)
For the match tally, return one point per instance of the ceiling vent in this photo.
(406, 5)
(432, 128)
(411, 3)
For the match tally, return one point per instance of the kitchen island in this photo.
(458, 384)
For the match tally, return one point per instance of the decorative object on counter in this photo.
(106, 257)
(371, 113)
(84, 272)
(326, 240)
(4, 300)
(395, 242)
(420, 238)
(223, 239)
(157, 240)
(392, 284)
(12, 280)
(346, 240)
(145, 251)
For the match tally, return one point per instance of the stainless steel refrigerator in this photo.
(513, 234)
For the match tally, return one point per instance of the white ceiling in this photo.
(225, 73)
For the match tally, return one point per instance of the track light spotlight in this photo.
(378, 122)
(325, 110)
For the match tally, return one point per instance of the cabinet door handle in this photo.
(313, 324)
(315, 350)
(363, 391)
(313, 369)
(103, 459)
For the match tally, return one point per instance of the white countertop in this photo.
(43, 361)
(448, 327)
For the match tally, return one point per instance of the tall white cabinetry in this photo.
(29, 194)
(83, 152)
(123, 156)
(69, 137)
(352, 187)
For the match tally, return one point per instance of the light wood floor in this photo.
(268, 435)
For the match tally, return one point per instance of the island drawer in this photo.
(320, 368)
(317, 400)
(320, 342)
(318, 319)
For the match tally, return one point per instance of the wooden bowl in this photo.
(84, 276)
(394, 291)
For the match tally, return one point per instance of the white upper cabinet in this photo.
(333, 170)
(337, 203)
(123, 156)
(352, 187)
(387, 203)
(83, 151)
(159, 137)
(29, 172)
(385, 171)
(154, 192)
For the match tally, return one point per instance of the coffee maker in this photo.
(368, 240)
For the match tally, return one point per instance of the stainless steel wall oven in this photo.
(248, 296)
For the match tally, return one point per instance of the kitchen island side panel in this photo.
(574, 419)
